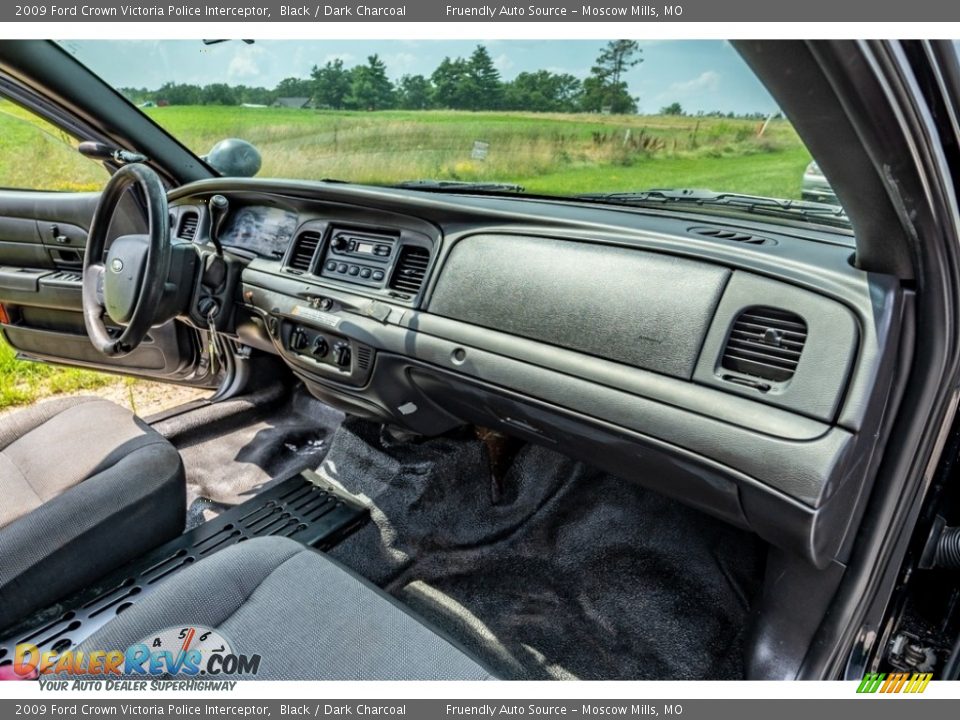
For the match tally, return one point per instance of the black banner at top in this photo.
(619, 11)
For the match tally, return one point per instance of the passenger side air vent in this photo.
(301, 254)
(765, 342)
(411, 269)
(188, 226)
(732, 235)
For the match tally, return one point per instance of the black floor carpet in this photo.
(573, 574)
(235, 449)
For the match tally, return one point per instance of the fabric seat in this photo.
(308, 617)
(85, 486)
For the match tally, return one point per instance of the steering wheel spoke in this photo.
(93, 283)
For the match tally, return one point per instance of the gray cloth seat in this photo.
(308, 617)
(85, 486)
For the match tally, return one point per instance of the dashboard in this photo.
(740, 366)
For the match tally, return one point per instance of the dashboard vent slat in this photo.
(411, 269)
(302, 252)
(765, 342)
(720, 233)
(188, 226)
(364, 357)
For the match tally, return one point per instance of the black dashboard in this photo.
(740, 366)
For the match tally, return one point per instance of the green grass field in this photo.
(546, 153)
(21, 383)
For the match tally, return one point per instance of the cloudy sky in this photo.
(700, 75)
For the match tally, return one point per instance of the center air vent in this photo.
(765, 342)
(302, 252)
(411, 269)
(188, 226)
(720, 233)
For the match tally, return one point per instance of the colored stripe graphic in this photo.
(894, 683)
(919, 682)
(871, 682)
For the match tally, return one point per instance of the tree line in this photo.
(470, 83)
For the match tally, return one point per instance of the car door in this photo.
(48, 193)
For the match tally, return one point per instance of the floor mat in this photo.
(575, 573)
(234, 450)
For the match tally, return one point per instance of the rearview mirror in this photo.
(234, 157)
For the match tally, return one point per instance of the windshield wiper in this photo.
(459, 186)
(739, 201)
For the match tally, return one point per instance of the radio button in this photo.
(365, 273)
(378, 275)
(354, 270)
(342, 268)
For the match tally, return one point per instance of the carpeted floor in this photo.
(574, 573)
(233, 450)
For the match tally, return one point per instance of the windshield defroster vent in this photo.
(188, 226)
(411, 269)
(765, 342)
(720, 233)
(302, 252)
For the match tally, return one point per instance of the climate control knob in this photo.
(320, 347)
(341, 355)
(298, 340)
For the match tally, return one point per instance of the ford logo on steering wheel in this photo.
(116, 265)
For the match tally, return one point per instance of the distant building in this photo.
(299, 103)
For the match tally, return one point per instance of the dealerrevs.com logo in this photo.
(190, 653)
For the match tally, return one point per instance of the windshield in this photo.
(549, 117)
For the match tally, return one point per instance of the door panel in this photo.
(42, 240)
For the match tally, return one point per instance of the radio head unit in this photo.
(358, 256)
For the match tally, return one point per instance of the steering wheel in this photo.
(129, 286)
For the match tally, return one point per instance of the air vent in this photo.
(411, 269)
(188, 226)
(719, 233)
(302, 252)
(364, 357)
(765, 342)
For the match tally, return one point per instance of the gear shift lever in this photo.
(216, 270)
(219, 209)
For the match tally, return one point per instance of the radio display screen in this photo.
(364, 248)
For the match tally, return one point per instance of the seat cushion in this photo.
(307, 616)
(86, 487)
